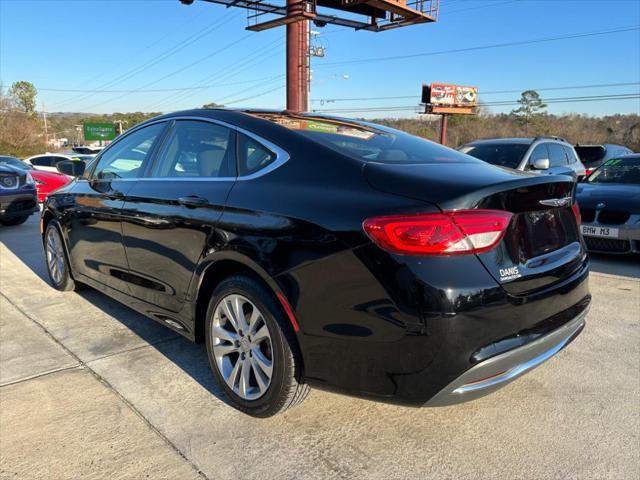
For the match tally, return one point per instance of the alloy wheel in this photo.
(55, 255)
(242, 346)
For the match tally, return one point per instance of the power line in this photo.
(493, 92)
(164, 55)
(593, 98)
(484, 47)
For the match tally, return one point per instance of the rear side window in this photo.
(252, 155)
(569, 153)
(557, 156)
(196, 149)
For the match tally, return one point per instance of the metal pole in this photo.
(297, 54)
(443, 129)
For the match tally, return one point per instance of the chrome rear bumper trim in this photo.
(502, 369)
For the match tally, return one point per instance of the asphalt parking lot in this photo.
(91, 389)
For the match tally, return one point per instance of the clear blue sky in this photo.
(136, 45)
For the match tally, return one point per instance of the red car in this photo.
(46, 182)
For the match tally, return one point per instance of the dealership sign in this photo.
(448, 98)
(99, 131)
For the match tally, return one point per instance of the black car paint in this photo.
(374, 324)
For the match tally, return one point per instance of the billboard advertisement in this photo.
(447, 95)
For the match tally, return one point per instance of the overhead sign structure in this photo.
(99, 131)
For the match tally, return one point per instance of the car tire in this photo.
(10, 222)
(56, 259)
(242, 363)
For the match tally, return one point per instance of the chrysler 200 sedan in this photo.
(314, 251)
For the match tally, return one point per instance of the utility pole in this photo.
(444, 122)
(119, 123)
(297, 59)
(46, 129)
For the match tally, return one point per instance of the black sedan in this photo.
(314, 251)
(609, 202)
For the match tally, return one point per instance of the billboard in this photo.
(99, 131)
(449, 98)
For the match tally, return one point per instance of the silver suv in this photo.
(542, 155)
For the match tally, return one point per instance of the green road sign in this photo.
(99, 131)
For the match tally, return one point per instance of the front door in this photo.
(94, 220)
(171, 214)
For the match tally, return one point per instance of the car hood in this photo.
(9, 169)
(45, 176)
(615, 196)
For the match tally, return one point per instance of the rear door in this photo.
(171, 213)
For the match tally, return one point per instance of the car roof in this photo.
(495, 141)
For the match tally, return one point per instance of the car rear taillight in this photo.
(576, 211)
(447, 233)
(588, 171)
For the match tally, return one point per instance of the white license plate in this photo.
(590, 231)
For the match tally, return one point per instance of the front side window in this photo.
(196, 149)
(252, 156)
(539, 153)
(557, 157)
(126, 157)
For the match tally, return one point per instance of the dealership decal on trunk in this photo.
(510, 273)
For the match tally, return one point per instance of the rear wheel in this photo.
(57, 262)
(14, 220)
(249, 347)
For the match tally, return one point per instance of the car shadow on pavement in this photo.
(622, 265)
(24, 242)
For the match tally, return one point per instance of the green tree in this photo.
(531, 110)
(213, 105)
(24, 93)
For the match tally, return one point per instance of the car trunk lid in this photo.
(542, 244)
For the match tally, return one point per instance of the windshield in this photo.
(14, 162)
(618, 170)
(503, 154)
(366, 141)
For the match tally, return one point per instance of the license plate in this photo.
(599, 231)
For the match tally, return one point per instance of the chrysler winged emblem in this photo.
(556, 202)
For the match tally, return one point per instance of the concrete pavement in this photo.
(91, 389)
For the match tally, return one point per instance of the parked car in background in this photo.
(311, 250)
(17, 195)
(46, 182)
(48, 161)
(542, 155)
(609, 202)
(592, 156)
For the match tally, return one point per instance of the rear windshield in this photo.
(503, 154)
(618, 170)
(590, 153)
(367, 141)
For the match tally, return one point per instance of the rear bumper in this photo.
(18, 205)
(496, 372)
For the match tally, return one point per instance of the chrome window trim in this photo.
(282, 156)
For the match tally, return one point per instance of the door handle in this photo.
(193, 201)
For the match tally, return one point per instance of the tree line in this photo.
(22, 129)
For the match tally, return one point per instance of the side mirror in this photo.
(73, 168)
(541, 164)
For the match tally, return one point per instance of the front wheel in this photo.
(249, 344)
(57, 262)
